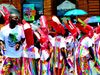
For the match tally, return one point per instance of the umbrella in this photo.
(10, 8)
(75, 12)
(92, 19)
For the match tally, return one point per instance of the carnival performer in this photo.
(59, 44)
(30, 52)
(84, 52)
(12, 38)
(42, 35)
(71, 44)
(96, 40)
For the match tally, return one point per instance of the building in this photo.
(91, 6)
(48, 7)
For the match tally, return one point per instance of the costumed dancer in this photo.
(96, 39)
(52, 33)
(84, 51)
(59, 44)
(6, 14)
(12, 37)
(71, 44)
(44, 47)
(30, 54)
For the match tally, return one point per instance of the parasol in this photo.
(75, 12)
(92, 19)
(10, 8)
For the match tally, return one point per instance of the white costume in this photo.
(11, 37)
(83, 46)
(59, 43)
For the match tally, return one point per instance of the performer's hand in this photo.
(2, 45)
(17, 46)
(64, 20)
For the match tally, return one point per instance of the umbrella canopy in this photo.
(66, 5)
(92, 19)
(7, 5)
(75, 12)
(10, 8)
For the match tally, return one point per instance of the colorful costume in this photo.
(85, 49)
(11, 37)
(44, 66)
(30, 52)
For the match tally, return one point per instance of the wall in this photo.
(91, 6)
(50, 8)
(16, 3)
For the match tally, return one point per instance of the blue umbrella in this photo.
(92, 19)
(75, 12)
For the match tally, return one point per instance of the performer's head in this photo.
(13, 19)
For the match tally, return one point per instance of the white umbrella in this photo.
(10, 8)
(66, 5)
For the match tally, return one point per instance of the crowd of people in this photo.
(51, 49)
